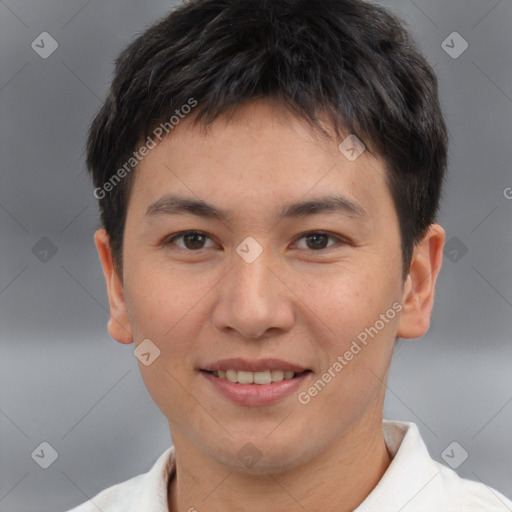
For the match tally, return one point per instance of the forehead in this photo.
(257, 160)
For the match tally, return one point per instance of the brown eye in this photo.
(317, 241)
(191, 240)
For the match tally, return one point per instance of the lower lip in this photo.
(256, 394)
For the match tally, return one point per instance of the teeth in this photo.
(231, 375)
(262, 377)
(277, 375)
(243, 377)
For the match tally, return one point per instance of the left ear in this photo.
(418, 293)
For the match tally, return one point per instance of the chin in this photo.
(261, 457)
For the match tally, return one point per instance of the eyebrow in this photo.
(179, 205)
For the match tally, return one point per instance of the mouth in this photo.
(255, 383)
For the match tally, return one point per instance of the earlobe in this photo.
(119, 326)
(419, 287)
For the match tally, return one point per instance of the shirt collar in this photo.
(411, 470)
(153, 493)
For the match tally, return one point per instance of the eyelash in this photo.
(170, 241)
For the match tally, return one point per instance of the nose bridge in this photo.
(250, 269)
(250, 285)
(252, 300)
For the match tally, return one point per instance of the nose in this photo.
(253, 301)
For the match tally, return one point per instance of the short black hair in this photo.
(348, 61)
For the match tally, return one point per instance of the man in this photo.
(268, 174)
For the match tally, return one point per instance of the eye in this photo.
(318, 240)
(191, 240)
(196, 241)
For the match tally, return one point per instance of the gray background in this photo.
(64, 381)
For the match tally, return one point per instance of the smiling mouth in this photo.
(259, 378)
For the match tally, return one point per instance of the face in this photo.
(288, 262)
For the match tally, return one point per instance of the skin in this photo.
(295, 303)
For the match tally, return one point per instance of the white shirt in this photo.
(413, 482)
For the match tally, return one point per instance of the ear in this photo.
(119, 323)
(418, 293)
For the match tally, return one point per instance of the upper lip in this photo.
(260, 365)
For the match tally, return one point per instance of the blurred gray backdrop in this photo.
(64, 382)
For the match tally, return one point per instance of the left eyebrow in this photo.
(179, 205)
(333, 204)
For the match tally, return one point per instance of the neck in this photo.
(338, 479)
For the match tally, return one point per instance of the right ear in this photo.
(119, 326)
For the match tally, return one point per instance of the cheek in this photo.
(348, 310)
(165, 308)
(161, 302)
(168, 389)
(345, 301)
